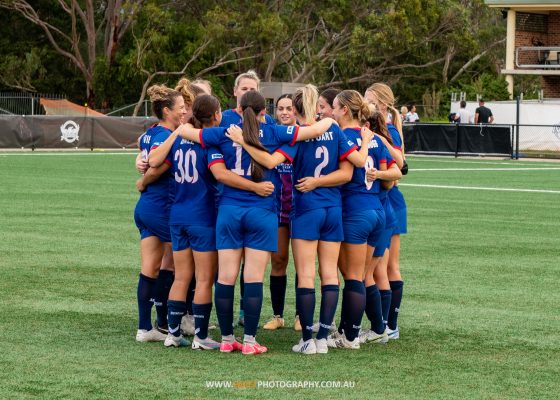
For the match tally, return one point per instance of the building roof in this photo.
(525, 4)
(65, 107)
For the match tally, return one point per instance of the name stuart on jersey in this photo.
(323, 137)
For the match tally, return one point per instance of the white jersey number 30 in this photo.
(186, 164)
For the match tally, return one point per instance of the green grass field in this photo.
(480, 316)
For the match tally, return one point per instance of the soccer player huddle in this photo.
(225, 193)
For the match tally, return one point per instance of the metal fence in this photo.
(145, 110)
(541, 141)
(508, 140)
(25, 103)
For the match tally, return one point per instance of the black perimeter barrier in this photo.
(86, 132)
(70, 132)
(459, 139)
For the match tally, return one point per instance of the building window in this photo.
(531, 22)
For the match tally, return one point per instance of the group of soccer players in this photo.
(225, 193)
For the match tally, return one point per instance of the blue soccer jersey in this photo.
(397, 199)
(316, 157)
(157, 197)
(237, 160)
(231, 117)
(195, 186)
(397, 141)
(359, 194)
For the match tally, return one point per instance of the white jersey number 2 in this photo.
(323, 153)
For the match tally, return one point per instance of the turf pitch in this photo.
(479, 319)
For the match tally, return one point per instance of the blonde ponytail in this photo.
(185, 87)
(385, 96)
(358, 108)
(305, 102)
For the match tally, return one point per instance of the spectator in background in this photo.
(463, 116)
(483, 115)
(404, 111)
(411, 116)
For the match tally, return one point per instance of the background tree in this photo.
(73, 27)
(118, 48)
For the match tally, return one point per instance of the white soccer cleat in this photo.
(175, 341)
(369, 336)
(187, 325)
(152, 335)
(321, 346)
(332, 339)
(204, 344)
(392, 334)
(305, 347)
(338, 340)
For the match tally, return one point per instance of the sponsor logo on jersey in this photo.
(217, 156)
(284, 168)
(70, 131)
(185, 141)
(290, 130)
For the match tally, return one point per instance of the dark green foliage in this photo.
(330, 43)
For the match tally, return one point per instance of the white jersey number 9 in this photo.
(369, 165)
(323, 153)
(185, 164)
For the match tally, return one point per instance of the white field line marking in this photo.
(505, 162)
(94, 153)
(486, 169)
(480, 188)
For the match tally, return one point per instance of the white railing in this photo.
(547, 57)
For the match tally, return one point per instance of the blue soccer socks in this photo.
(223, 300)
(145, 296)
(329, 301)
(396, 298)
